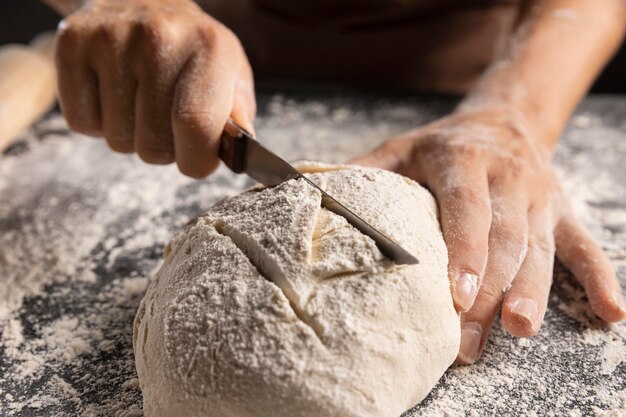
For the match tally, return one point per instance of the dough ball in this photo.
(268, 305)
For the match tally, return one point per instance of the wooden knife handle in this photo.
(233, 147)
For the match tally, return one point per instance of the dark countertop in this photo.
(82, 230)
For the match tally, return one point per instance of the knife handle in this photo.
(234, 146)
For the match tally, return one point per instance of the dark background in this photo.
(21, 20)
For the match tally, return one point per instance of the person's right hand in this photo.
(156, 77)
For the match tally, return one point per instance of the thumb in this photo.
(386, 156)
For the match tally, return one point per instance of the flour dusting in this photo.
(269, 305)
(82, 231)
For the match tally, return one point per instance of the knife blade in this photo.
(244, 154)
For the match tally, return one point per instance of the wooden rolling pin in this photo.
(27, 85)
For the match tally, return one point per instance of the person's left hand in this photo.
(503, 216)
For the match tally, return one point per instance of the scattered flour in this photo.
(82, 230)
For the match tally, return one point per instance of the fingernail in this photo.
(471, 335)
(619, 301)
(465, 290)
(526, 310)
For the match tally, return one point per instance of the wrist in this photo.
(515, 112)
(513, 122)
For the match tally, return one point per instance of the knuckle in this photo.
(228, 38)
(509, 231)
(515, 170)
(147, 25)
(194, 120)
(462, 152)
(429, 143)
(471, 247)
(70, 25)
(156, 37)
(68, 35)
(543, 244)
(438, 143)
(103, 32)
(156, 29)
(218, 39)
(65, 34)
(470, 152)
(468, 195)
(394, 144)
(491, 292)
(201, 126)
(579, 248)
(208, 34)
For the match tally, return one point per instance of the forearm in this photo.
(557, 50)
(64, 7)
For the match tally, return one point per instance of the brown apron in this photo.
(435, 45)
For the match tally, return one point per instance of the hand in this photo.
(503, 215)
(159, 78)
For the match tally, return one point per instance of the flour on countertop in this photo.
(82, 231)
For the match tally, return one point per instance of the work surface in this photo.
(82, 231)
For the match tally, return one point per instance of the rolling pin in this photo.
(27, 85)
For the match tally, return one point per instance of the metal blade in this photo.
(388, 247)
(266, 167)
(242, 153)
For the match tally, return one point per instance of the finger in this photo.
(154, 137)
(465, 210)
(590, 265)
(508, 240)
(117, 90)
(244, 105)
(525, 303)
(391, 155)
(203, 100)
(116, 87)
(164, 50)
(77, 82)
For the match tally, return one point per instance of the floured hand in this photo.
(503, 215)
(159, 78)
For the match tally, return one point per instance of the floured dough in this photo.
(269, 305)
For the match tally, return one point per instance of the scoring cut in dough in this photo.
(268, 305)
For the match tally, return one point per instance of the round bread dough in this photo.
(268, 305)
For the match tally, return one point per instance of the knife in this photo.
(242, 153)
